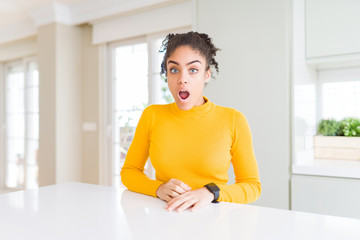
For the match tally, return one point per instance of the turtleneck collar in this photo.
(196, 111)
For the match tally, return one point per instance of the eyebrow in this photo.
(186, 64)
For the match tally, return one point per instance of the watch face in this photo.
(213, 187)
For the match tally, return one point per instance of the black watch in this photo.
(214, 189)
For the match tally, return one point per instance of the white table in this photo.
(83, 211)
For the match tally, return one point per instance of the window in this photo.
(135, 84)
(340, 99)
(21, 135)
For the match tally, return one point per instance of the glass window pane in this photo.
(15, 124)
(33, 74)
(131, 83)
(14, 175)
(163, 95)
(15, 76)
(32, 101)
(32, 173)
(15, 162)
(33, 126)
(117, 155)
(341, 99)
(130, 98)
(15, 100)
(162, 90)
(32, 148)
(160, 55)
(129, 118)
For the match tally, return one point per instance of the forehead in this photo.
(185, 54)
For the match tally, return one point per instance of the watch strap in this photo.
(214, 189)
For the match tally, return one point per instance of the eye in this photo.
(193, 70)
(174, 70)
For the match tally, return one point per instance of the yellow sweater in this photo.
(196, 147)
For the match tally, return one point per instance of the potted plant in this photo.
(338, 139)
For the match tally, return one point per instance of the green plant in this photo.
(329, 127)
(351, 127)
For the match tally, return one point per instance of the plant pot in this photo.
(329, 147)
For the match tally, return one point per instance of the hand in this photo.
(193, 199)
(171, 189)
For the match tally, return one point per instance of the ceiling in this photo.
(21, 18)
(14, 11)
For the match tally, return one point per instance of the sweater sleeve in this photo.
(132, 173)
(247, 186)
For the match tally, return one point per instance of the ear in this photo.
(207, 75)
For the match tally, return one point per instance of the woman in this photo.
(191, 142)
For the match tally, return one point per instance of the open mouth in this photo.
(184, 95)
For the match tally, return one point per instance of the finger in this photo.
(178, 189)
(173, 194)
(196, 206)
(181, 184)
(167, 198)
(181, 198)
(185, 206)
(168, 189)
(175, 203)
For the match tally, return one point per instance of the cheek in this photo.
(171, 85)
(200, 85)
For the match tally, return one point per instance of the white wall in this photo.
(18, 49)
(90, 108)
(2, 128)
(69, 62)
(47, 104)
(60, 73)
(255, 79)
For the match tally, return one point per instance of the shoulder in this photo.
(152, 113)
(232, 116)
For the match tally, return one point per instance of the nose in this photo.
(183, 78)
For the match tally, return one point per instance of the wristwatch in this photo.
(214, 189)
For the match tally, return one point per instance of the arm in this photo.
(247, 186)
(132, 173)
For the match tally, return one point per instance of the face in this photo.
(187, 74)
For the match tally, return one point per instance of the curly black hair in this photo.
(198, 41)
